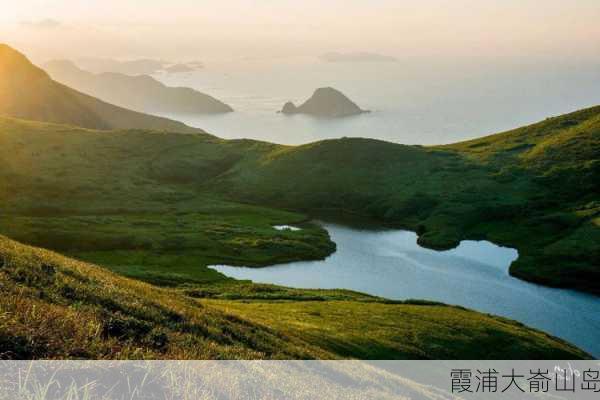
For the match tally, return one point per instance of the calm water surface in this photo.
(389, 263)
(412, 102)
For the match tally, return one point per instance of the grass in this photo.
(57, 307)
(204, 380)
(534, 189)
(159, 207)
(87, 193)
(392, 331)
(175, 249)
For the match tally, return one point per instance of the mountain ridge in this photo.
(28, 92)
(142, 93)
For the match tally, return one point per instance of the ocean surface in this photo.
(389, 263)
(412, 102)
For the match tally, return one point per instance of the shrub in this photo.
(125, 328)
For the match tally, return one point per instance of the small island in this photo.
(325, 102)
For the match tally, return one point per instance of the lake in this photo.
(389, 263)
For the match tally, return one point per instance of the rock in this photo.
(325, 102)
(288, 108)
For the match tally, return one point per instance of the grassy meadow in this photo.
(175, 248)
(534, 189)
(57, 307)
(139, 214)
(159, 207)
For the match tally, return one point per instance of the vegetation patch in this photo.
(106, 316)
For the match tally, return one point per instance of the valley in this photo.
(140, 206)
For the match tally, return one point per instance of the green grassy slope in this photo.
(145, 204)
(561, 158)
(533, 188)
(28, 92)
(110, 197)
(56, 307)
(390, 331)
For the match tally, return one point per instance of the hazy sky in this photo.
(196, 29)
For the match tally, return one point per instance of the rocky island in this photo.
(325, 102)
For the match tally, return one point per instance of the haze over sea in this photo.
(412, 101)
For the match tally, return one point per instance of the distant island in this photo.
(335, 57)
(179, 68)
(142, 215)
(143, 66)
(325, 102)
(141, 93)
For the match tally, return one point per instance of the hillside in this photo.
(534, 189)
(28, 92)
(160, 207)
(56, 307)
(141, 93)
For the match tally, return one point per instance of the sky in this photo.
(202, 30)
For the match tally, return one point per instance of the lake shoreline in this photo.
(477, 270)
